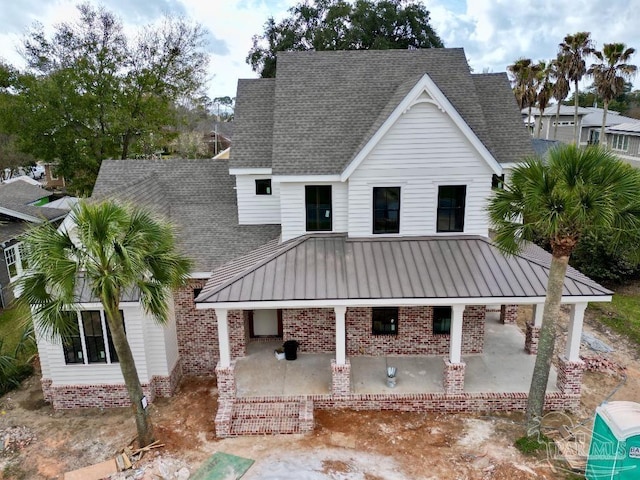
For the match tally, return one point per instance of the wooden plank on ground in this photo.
(574, 453)
(94, 472)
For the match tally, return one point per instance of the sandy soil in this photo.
(345, 445)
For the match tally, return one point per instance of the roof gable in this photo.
(424, 91)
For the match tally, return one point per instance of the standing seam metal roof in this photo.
(332, 266)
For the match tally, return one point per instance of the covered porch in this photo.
(260, 374)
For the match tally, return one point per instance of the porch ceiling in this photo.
(334, 267)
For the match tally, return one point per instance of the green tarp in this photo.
(221, 466)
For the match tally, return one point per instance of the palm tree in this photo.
(576, 48)
(110, 249)
(575, 191)
(524, 71)
(610, 74)
(545, 91)
(559, 72)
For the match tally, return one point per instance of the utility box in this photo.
(614, 452)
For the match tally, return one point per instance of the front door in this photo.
(265, 323)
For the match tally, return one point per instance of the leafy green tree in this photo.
(341, 25)
(575, 49)
(610, 74)
(575, 192)
(90, 92)
(110, 249)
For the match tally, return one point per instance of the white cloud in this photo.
(493, 33)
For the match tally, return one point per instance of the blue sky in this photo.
(493, 33)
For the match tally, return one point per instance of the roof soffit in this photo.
(424, 91)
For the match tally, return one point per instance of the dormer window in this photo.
(451, 202)
(318, 208)
(263, 186)
(386, 210)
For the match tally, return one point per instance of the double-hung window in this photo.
(16, 260)
(318, 208)
(441, 320)
(89, 339)
(620, 142)
(451, 202)
(386, 209)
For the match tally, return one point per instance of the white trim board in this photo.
(394, 302)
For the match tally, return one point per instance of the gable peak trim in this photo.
(414, 97)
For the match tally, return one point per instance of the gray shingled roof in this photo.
(197, 195)
(542, 146)
(17, 197)
(253, 124)
(331, 266)
(327, 105)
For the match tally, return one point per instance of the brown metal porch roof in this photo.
(332, 266)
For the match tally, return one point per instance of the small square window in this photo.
(441, 320)
(263, 187)
(385, 321)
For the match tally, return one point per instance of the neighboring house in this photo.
(21, 205)
(350, 219)
(220, 137)
(589, 122)
(223, 155)
(624, 140)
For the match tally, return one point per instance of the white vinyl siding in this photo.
(154, 349)
(424, 149)
(257, 209)
(292, 198)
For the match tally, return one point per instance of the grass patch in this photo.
(532, 445)
(621, 315)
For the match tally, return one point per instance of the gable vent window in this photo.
(386, 210)
(318, 208)
(263, 186)
(451, 201)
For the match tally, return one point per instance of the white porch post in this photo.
(341, 334)
(223, 337)
(575, 331)
(538, 310)
(455, 346)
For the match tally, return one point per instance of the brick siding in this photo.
(108, 395)
(313, 328)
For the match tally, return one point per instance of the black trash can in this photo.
(290, 350)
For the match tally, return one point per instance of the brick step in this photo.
(264, 426)
(270, 418)
(266, 410)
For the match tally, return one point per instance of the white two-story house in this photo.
(350, 224)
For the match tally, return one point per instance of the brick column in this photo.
(46, 389)
(570, 375)
(453, 379)
(223, 419)
(226, 379)
(508, 314)
(341, 378)
(531, 339)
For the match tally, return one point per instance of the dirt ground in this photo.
(345, 445)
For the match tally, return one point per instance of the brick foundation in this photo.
(340, 378)
(108, 395)
(226, 380)
(224, 416)
(46, 389)
(531, 339)
(508, 314)
(570, 376)
(306, 421)
(453, 378)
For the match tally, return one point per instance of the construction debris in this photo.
(602, 364)
(13, 439)
(156, 467)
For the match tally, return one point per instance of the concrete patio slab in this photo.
(503, 367)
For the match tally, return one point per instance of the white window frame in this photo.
(13, 256)
(105, 339)
(620, 142)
